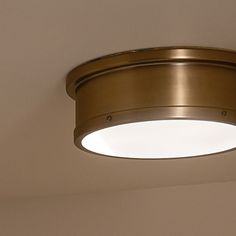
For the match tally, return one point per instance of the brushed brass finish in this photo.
(157, 83)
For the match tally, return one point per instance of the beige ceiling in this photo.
(41, 40)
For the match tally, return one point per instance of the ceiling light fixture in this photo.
(156, 103)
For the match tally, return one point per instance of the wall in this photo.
(208, 209)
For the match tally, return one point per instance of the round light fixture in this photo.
(156, 103)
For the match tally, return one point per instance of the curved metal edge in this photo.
(144, 56)
(95, 154)
(154, 113)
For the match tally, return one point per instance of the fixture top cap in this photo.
(144, 56)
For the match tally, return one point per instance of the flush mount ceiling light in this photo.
(156, 103)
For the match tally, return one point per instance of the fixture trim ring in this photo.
(183, 83)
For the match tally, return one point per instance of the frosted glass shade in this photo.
(162, 139)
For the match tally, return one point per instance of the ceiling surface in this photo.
(41, 40)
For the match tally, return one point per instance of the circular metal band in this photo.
(153, 113)
(151, 84)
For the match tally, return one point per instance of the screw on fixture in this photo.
(224, 113)
(109, 118)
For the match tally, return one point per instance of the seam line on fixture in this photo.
(88, 77)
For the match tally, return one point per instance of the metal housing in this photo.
(149, 84)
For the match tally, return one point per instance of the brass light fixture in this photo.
(156, 103)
